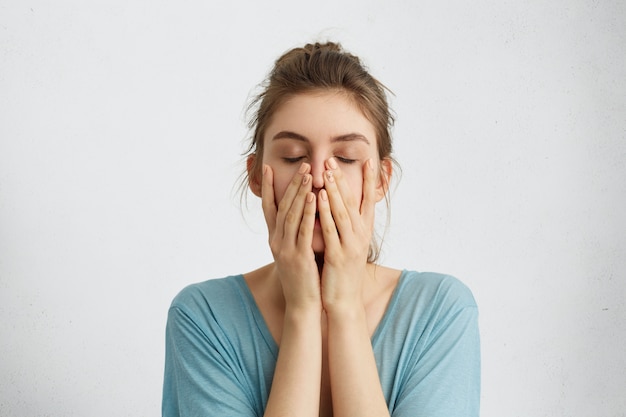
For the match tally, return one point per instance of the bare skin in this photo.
(320, 297)
(271, 303)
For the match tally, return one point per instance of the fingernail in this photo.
(302, 169)
(305, 179)
(323, 195)
(332, 163)
(370, 164)
(310, 197)
(329, 175)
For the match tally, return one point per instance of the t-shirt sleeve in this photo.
(444, 375)
(199, 379)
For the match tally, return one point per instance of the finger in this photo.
(342, 185)
(290, 193)
(338, 208)
(329, 229)
(305, 233)
(368, 204)
(293, 218)
(267, 198)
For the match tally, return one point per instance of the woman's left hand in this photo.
(347, 226)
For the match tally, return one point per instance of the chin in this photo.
(318, 244)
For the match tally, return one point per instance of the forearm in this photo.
(354, 377)
(296, 384)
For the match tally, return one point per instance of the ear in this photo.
(386, 170)
(254, 175)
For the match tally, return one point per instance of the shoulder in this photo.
(431, 297)
(209, 299)
(436, 287)
(212, 288)
(432, 308)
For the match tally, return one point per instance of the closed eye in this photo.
(293, 160)
(345, 160)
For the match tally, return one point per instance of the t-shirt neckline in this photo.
(267, 335)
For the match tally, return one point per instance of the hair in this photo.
(321, 67)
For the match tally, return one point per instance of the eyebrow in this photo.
(349, 137)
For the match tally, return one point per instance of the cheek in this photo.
(279, 190)
(281, 182)
(355, 183)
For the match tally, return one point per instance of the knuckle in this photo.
(340, 216)
(329, 228)
(283, 205)
(290, 218)
(303, 190)
(304, 230)
(265, 203)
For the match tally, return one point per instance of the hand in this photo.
(290, 229)
(347, 226)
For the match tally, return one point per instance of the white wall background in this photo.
(121, 128)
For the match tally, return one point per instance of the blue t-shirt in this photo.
(220, 356)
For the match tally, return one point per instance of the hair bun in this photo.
(327, 46)
(311, 51)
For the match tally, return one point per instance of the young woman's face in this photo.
(311, 128)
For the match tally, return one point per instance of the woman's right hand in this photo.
(290, 227)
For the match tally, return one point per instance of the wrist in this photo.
(303, 302)
(303, 312)
(345, 312)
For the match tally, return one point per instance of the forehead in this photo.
(319, 116)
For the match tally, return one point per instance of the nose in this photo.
(317, 172)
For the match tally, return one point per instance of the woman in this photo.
(323, 330)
